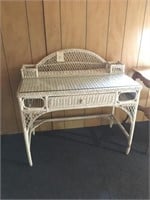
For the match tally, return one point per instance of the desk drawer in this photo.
(102, 99)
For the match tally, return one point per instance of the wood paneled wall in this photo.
(30, 30)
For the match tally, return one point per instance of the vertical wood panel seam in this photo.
(146, 102)
(60, 18)
(107, 29)
(60, 27)
(45, 38)
(11, 89)
(86, 23)
(27, 19)
(46, 49)
(1, 83)
(84, 111)
(142, 32)
(44, 24)
(148, 93)
(125, 22)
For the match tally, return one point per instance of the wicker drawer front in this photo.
(81, 101)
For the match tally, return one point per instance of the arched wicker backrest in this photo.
(75, 62)
(73, 56)
(73, 59)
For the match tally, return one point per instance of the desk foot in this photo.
(111, 122)
(33, 132)
(128, 150)
(27, 144)
(29, 158)
(31, 164)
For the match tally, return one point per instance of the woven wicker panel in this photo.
(81, 100)
(73, 60)
(77, 83)
(73, 55)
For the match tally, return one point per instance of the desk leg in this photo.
(27, 135)
(33, 132)
(131, 131)
(111, 119)
(130, 138)
(27, 144)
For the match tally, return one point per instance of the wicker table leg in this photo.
(131, 132)
(111, 118)
(27, 136)
(27, 144)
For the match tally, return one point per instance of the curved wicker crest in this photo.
(77, 62)
(72, 56)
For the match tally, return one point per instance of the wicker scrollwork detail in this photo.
(130, 110)
(30, 118)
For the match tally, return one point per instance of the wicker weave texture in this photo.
(74, 61)
(72, 79)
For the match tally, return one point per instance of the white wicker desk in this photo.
(82, 80)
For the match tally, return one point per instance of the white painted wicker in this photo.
(72, 79)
